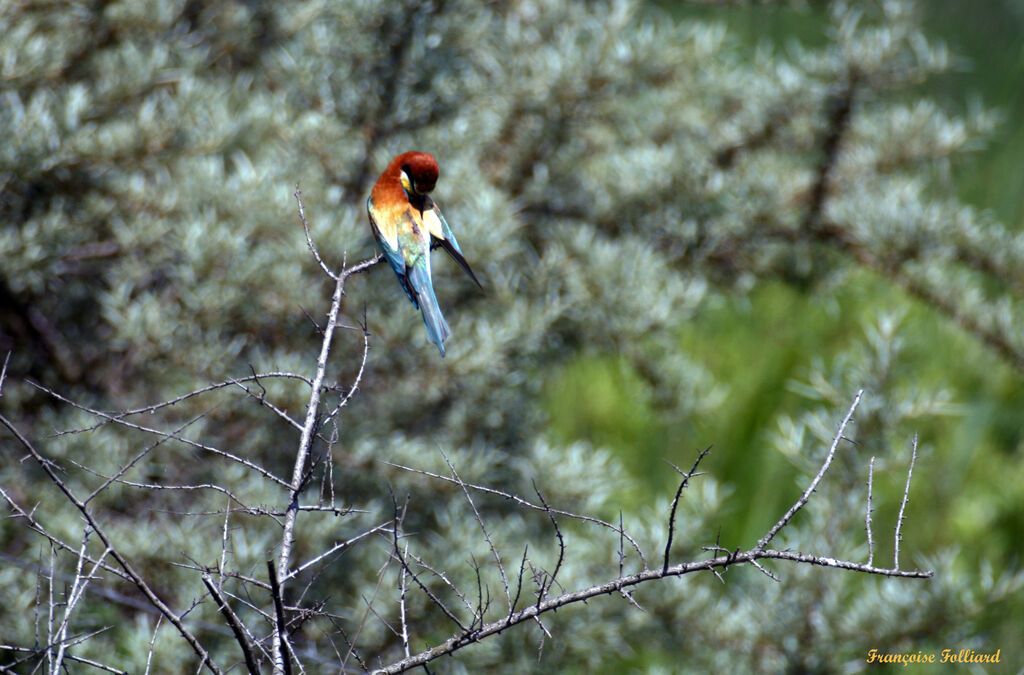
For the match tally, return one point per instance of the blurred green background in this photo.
(598, 398)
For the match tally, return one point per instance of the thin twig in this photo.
(262, 399)
(3, 373)
(309, 237)
(364, 620)
(530, 505)
(766, 539)
(675, 502)
(519, 583)
(764, 570)
(51, 604)
(152, 643)
(33, 652)
(441, 575)
(170, 402)
(224, 543)
(399, 517)
(337, 547)
(77, 590)
(138, 457)
(343, 401)
(622, 546)
(37, 527)
(867, 514)
(118, 419)
(483, 528)
(135, 577)
(903, 505)
(236, 625)
(561, 547)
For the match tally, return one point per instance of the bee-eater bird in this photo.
(407, 224)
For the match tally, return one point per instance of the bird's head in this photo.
(419, 172)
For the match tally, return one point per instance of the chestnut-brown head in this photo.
(419, 172)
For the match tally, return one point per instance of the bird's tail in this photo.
(437, 328)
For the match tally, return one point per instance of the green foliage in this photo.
(673, 257)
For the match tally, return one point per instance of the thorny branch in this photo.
(903, 505)
(397, 552)
(616, 585)
(237, 627)
(483, 529)
(309, 429)
(530, 505)
(126, 566)
(280, 571)
(784, 520)
(675, 503)
(867, 511)
(545, 586)
(721, 560)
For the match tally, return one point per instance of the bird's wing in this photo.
(385, 229)
(442, 235)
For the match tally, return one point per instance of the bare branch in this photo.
(764, 570)
(74, 595)
(309, 237)
(134, 576)
(903, 505)
(138, 457)
(441, 575)
(224, 542)
(343, 401)
(766, 539)
(236, 625)
(398, 518)
(867, 512)
(282, 649)
(255, 377)
(305, 443)
(675, 503)
(483, 528)
(561, 548)
(721, 561)
(38, 528)
(530, 505)
(262, 399)
(152, 643)
(3, 373)
(616, 585)
(401, 607)
(33, 652)
(337, 547)
(118, 419)
(362, 266)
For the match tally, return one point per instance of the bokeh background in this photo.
(636, 185)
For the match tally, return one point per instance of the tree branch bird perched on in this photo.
(407, 224)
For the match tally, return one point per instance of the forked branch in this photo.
(722, 559)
